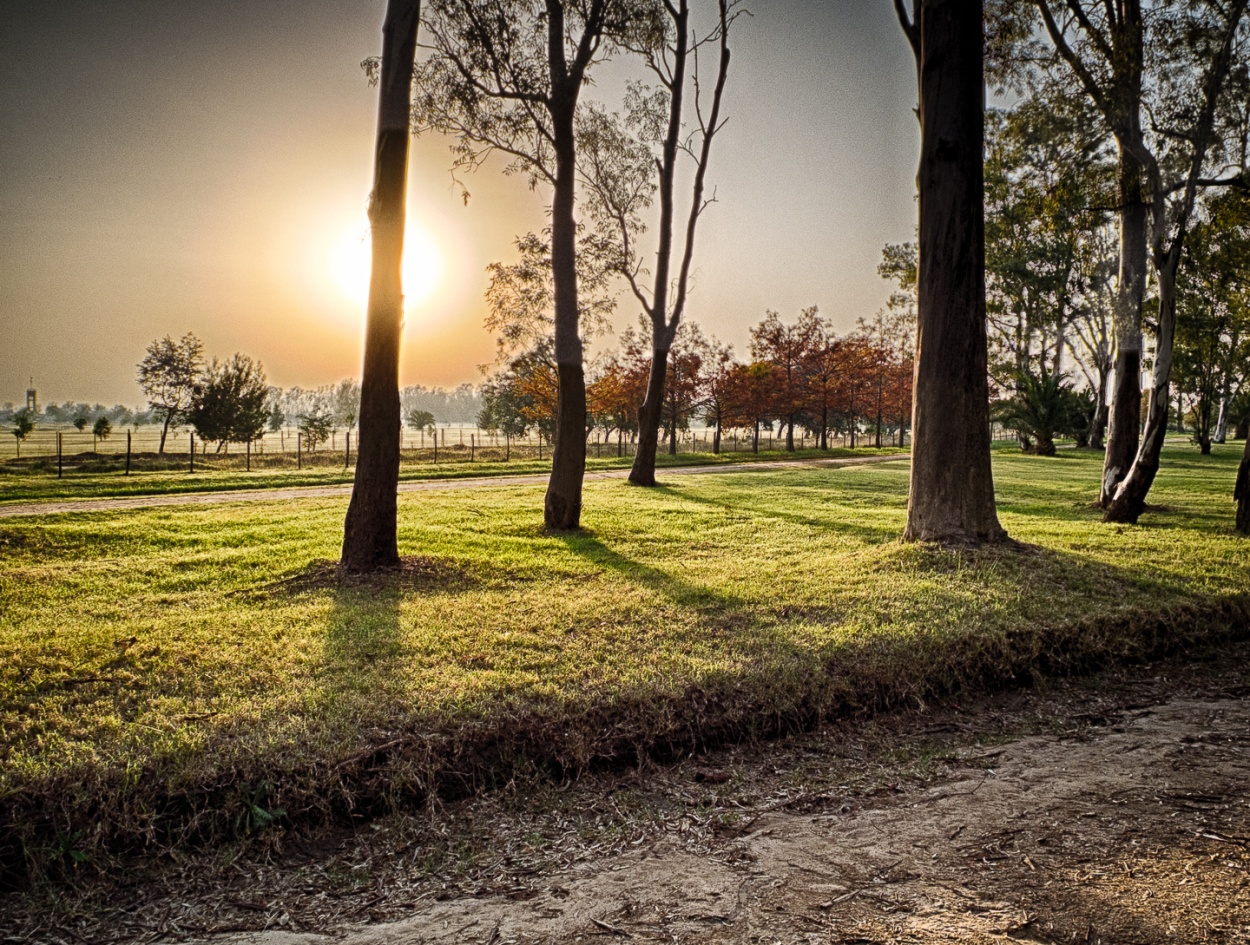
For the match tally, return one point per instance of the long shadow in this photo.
(869, 534)
(586, 545)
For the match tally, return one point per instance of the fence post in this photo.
(299, 451)
(472, 444)
(192, 441)
(436, 444)
(127, 452)
(58, 454)
(249, 454)
(507, 448)
(347, 456)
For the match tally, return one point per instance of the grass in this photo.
(189, 674)
(36, 480)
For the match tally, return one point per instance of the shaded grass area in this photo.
(37, 481)
(192, 674)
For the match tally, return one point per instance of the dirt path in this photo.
(1138, 832)
(1111, 809)
(415, 485)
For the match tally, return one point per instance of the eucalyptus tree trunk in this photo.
(1124, 419)
(1241, 491)
(369, 532)
(1129, 500)
(952, 487)
(562, 507)
(642, 472)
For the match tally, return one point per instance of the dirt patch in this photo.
(1111, 809)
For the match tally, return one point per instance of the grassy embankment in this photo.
(37, 481)
(193, 673)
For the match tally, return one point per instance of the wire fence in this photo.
(69, 450)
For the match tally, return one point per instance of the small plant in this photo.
(23, 426)
(102, 429)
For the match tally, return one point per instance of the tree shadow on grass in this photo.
(869, 534)
(680, 591)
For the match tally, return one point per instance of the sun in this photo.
(349, 263)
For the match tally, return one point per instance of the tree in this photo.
(1241, 491)
(315, 426)
(788, 348)
(276, 415)
(370, 539)
(424, 420)
(619, 158)
(231, 402)
(748, 393)
(80, 423)
(506, 76)
(346, 401)
(168, 374)
(1204, 45)
(23, 426)
(1044, 407)
(1213, 316)
(717, 372)
(952, 488)
(102, 429)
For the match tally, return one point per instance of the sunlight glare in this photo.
(350, 262)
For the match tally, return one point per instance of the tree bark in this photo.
(1129, 500)
(952, 488)
(1241, 491)
(562, 508)
(642, 472)
(1124, 420)
(369, 532)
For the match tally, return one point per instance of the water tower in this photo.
(32, 398)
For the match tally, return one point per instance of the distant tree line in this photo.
(801, 376)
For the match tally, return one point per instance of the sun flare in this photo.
(349, 264)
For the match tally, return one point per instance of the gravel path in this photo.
(415, 485)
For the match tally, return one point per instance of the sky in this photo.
(205, 167)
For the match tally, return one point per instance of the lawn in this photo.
(37, 481)
(190, 674)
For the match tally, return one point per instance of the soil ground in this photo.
(1108, 809)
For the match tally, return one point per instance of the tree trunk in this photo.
(716, 438)
(1221, 418)
(755, 443)
(952, 487)
(1129, 500)
(369, 532)
(1098, 428)
(642, 472)
(164, 432)
(1045, 446)
(1241, 491)
(1124, 422)
(563, 504)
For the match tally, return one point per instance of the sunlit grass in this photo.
(163, 669)
(104, 478)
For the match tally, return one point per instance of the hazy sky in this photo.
(172, 166)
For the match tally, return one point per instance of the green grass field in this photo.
(196, 673)
(39, 483)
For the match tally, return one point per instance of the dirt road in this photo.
(413, 485)
(1110, 809)
(1136, 831)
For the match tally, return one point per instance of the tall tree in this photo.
(1104, 47)
(370, 541)
(788, 348)
(952, 487)
(620, 156)
(506, 76)
(1204, 44)
(231, 402)
(168, 374)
